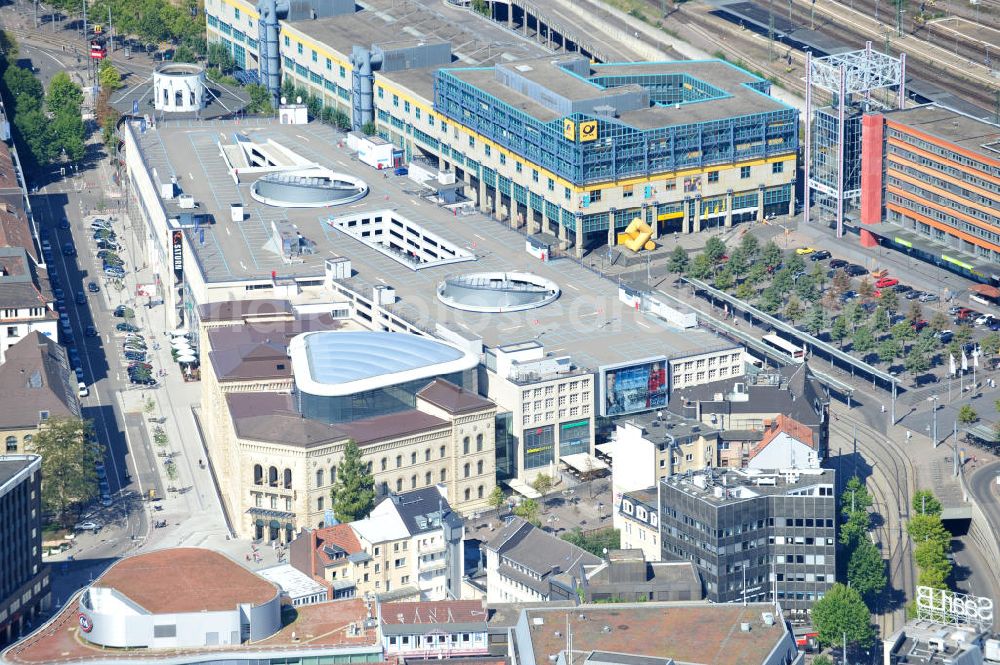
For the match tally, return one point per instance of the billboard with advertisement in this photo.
(633, 387)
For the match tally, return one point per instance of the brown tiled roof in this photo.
(446, 395)
(272, 417)
(186, 579)
(789, 426)
(683, 633)
(260, 350)
(341, 535)
(435, 612)
(36, 377)
(391, 426)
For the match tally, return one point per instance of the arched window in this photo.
(465, 445)
(11, 444)
(444, 451)
(479, 443)
(399, 461)
(333, 474)
(466, 468)
(288, 479)
(385, 463)
(427, 478)
(258, 474)
(479, 467)
(28, 438)
(272, 476)
(399, 484)
(468, 494)
(413, 457)
(480, 491)
(319, 477)
(427, 455)
(444, 475)
(413, 482)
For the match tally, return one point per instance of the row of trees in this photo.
(931, 541)
(154, 21)
(329, 115)
(865, 566)
(46, 126)
(69, 466)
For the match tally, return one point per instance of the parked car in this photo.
(886, 282)
(46, 246)
(919, 325)
(93, 287)
(945, 336)
(83, 390)
(135, 355)
(854, 270)
(88, 526)
(928, 297)
(150, 381)
(126, 327)
(64, 224)
(123, 311)
(801, 251)
(912, 295)
(838, 263)
(109, 244)
(820, 255)
(69, 249)
(105, 253)
(902, 288)
(81, 298)
(848, 296)
(99, 223)
(90, 331)
(58, 293)
(983, 320)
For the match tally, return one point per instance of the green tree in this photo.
(36, 132)
(108, 77)
(725, 279)
(69, 135)
(938, 322)
(990, 344)
(220, 58)
(63, 96)
(866, 570)
(750, 246)
(967, 415)
(793, 310)
(923, 527)
(353, 493)
(902, 331)
(888, 350)
(822, 659)
(841, 283)
(818, 274)
(26, 90)
(931, 557)
(805, 289)
(757, 273)
(595, 542)
(184, 53)
(542, 484)
(715, 249)
(854, 314)
(497, 498)
(770, 255)
(816, 320)
(796, 263)
(842, 612)
(260, 99)
(745, 291)
(880, 320)
(701, 267)
(839, 330)
(915, 313)
(862, 341)
(855, 497)
(69, 457)
(368, 128)
(528, 511)
(916, 364)
(925, 503)
(678, 262)
(738, 262)
(782, 281)
(889, 300)
(770, 300)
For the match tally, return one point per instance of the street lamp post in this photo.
(933, 399)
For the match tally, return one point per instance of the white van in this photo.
(979, 299)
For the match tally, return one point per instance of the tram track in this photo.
(892, 489)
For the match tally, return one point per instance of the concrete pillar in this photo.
(533, 226)
(697, 214)
(729, 209)
(562, 235)
(686, 220)
(510, 15)
(484, 205)
(612, 232)
(651, 212)
(760, 204)
(579, 237)
(524, 21)
(791, 202)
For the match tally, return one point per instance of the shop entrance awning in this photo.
(523, 488)
(986, 290)
(584, 463)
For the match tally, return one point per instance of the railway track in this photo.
(892, 489)
(885, 10)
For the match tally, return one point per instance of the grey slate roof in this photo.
(424, 510)
(540, 552)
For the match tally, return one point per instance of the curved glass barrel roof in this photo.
(342, 363)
